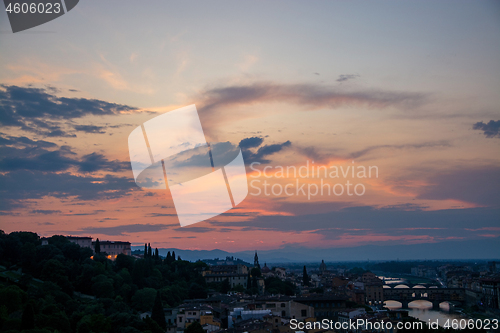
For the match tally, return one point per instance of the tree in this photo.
(197, 291)
(226, 286)
(28, 257)
(239, 288)
(102, 286)
(274, 285)
(157, 313)
(149, 250)
(94, 323)
(173, 255)
(305, 277)
(145, 250)
(124, 261)
(157, 255)
(28, 318)
(97, 246)
(143, 299)
(151, 326)
(168, 259)
(255, 272)
(194, 328)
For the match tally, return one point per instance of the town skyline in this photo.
(410, 88)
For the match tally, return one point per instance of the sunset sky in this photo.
(411, 87)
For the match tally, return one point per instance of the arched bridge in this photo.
(434, 295)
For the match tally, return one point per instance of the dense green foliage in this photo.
(276, 286)
(157, 314)
(194, 328)
(58, 287)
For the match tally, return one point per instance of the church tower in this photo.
(322, 267)
(256, 261)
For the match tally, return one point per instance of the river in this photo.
(423, 309)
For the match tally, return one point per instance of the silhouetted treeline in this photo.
(63, 287)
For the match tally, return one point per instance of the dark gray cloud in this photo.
(107, 219)
(217, 104)
(237, 214)
(45, 211)
(20, 185)
(405, 206)
(252, 142)
(222, 154)
(478, 185)
(159, 214)
(90, 129)
(26, 154)
(39, 111)
(194, 229)
(94, 212)
(490, 129)
(346, 77)
(39, 159)
(97, 129)
(263, 152)
(23, 141)
(96, 162)
(121, 230)
(423, 145)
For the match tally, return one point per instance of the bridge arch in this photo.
(401, 286)
(392, 304)
(417, 302)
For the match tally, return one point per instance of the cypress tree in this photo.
(305, 277)
(97, 246)
(157, 313)
(173, 255)
(168, 258)
(249, 281)
(145, 250)
(226, 286)
(157, 255)
(149, 250)
(28, 318)
(195, 327)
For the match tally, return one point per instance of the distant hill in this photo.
(476, 249)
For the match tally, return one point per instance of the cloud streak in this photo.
(35, 158)
(214, 103)
(38, 110)
(423, 145)
(20, 185)
(122, 230)
(347, 77)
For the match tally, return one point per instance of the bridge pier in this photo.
(404, 304)
(435, 305)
